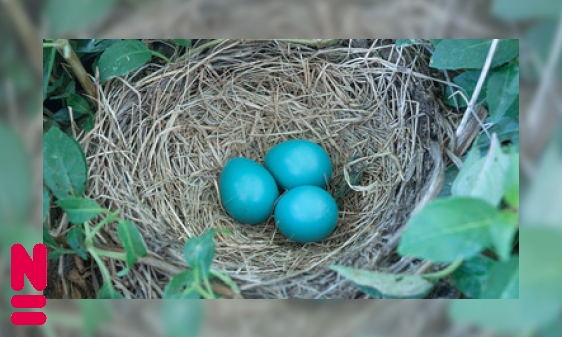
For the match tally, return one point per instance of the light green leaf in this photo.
(200, 251)
(183, 42)
(108, 292)
(132, 241)
(69, 16)
(485, 177)
(75, 239)
(524, 10)
(182, 318)
(447, 230)
(383, 285)
(503, 280)
(465, 53)
(471, 277)
(79, 105)
(80, 210)
(48, 61)
(181, 286)
(46, 203)
(512, 181)
(121, 58)
(503, 91)
(64, 165)
(502, 232)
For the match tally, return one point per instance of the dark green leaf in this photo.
(98, 313)
(512, 181)
(48, 61)
(93, 45)
(183, 42)
(16, 193)
(503, 91)
(108, 292)
(132, 241)
(46, 203)
(48, 239)
(182, 318)
(485, 177)
(502, 233)
(523, 9)
(69, 88)
(451, 173)
(471, 277)
(200, 251)
(79, 105)
(467, 81)
(507, 129)
(449, 229)
(383, 285)
(519, 316)
(541, 274)
(75, 239)
(503, 280)
(459, 54)
(55, 255)
(64, 165)
(69, 16)
(181, 286)
(121, 58)
(89, 123)
(79, 210)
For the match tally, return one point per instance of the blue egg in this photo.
(306, 214)
(247, 191)
(297, 163)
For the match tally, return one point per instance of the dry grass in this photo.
(163, 135)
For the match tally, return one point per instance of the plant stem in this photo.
(90, 236)
(157, 54)
(81, 74)
(445, 272)
(112, 255)
(104, 271)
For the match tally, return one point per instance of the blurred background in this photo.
(536, 23)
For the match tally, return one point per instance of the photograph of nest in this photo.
(164, 134)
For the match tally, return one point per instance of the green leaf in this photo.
(519, 316)
(447, 230)
(182, 318)
(98, 313)
(80, 210)
(467, 81)
(503, 280)
(132, 241)
(200, 251)
(69, 16)
(48, 61)
(89, 123)
(485, 177)
(507, 129)
(523, 9)
(79, 105)
(121, 58)
(16, 193)
(108, 292)
(503, 91)
(458, 54)
(181, 286)
(471, 277)
(512, 181)
(93, 45)
(48, 239)
(64, 165)
(451, 173)
(183, 42)
(383, 285)
(75, 239)
(541, 276)
(46, 203)
(502, 233)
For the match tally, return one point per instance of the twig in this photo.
(81, 74)
(470, 108)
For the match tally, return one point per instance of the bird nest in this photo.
(163, 135)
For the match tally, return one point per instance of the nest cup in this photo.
(163, 135)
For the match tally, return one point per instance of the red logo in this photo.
(36, 271)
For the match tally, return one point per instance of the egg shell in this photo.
(306, 214)
(298, 163)
(247, 190)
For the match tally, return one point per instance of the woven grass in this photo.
(163, 134)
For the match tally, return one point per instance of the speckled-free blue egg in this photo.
(297, 163)
(247, 191)
(306, 214)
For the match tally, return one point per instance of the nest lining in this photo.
(160, 142)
